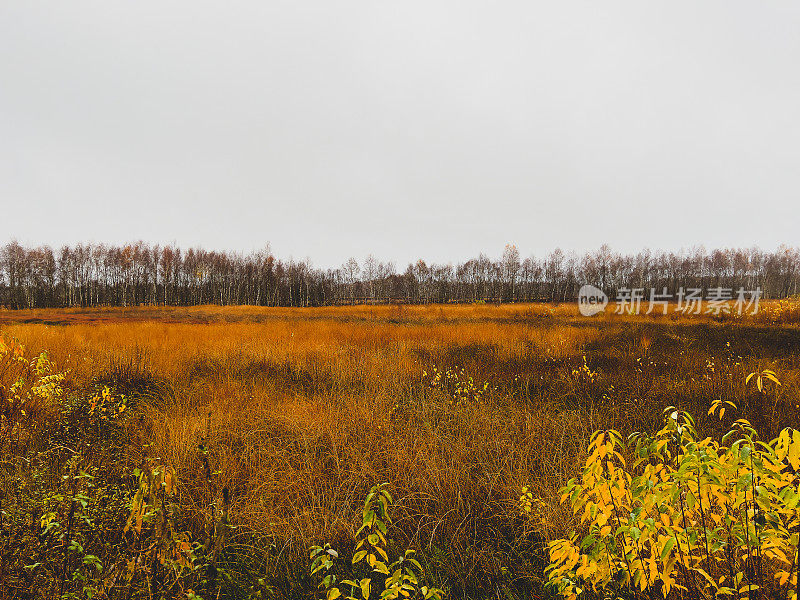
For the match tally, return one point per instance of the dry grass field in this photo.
(297, 413)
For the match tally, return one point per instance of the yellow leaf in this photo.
(382, 552)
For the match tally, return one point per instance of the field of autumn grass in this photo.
(267, 428)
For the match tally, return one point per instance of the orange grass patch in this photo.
(302, 410)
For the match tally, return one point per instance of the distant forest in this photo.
(139, 273)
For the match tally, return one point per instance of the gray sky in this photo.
(405, 129)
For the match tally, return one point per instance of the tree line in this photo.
(139, 273)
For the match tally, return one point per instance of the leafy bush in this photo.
(382, 579)
(706, 517)
(77, 520)
(30, 392)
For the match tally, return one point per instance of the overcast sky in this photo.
(404, 129)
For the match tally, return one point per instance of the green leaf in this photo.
(668, 546)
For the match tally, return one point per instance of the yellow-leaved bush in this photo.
(30, 388)
(690, 516)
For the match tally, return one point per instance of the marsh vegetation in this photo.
(201, 452)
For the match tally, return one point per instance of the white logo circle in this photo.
(591, 300)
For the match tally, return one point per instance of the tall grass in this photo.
(304, 410)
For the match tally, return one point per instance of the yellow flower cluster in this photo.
(584, 373)
(456, 384)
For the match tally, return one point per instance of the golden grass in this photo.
(304, 409)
